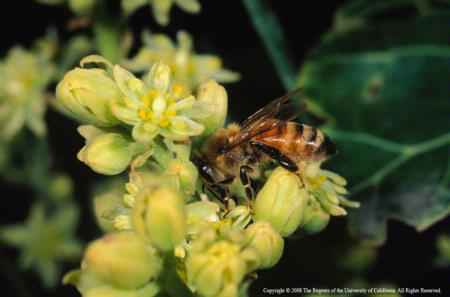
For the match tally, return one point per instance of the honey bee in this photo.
(268, 135)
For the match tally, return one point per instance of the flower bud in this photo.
(281, 201)
(90, 286)
(186, 174)
(122, 259)
(107, 153)
(82, 7)
(240, 216)
(215, 266)
(267, 242)
(215, 96)
(148, 290)
(201, 214)
(160, 216)
(315, 219)
(86, 94)
(104, 207)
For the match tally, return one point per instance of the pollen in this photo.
(129, 200)
(321, 179)
(179, 252)
(171, 102)
(142, 114)
(171, 112)
(145, 115)
(122, 222)
(164, 123)
(177, 89)
(146, 100)
(153, 94)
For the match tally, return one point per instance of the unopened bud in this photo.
(86, 94)
(315, 219)
(186, 174)
(160, 216)
(104, 207)
(267, 242)
(107, 152)
(122, 259)
(216, 98)
(281, 201)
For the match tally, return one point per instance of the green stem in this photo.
(269, 30)
(272, 36)
(107, 36)
(428, 145)
(365, 139)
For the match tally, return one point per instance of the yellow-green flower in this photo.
(156, 107)
(24, 76)
(161, 8)
(217, 264)
(189, 69)
(328, 188)
(44, 241)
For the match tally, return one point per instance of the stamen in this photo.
(177, 89)
(153, 94)
(171, 112)
(146, 100)
(164, 123)
(142, 114)
(122, 222)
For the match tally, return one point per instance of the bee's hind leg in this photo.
(282, 160)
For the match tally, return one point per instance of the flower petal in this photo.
(161, 10)
(160, 77)
(185, 103)
(191, 6)
(184, 41)
(198, 110)
(129, 84)
(144, 132)
(157, 42)
(123, 113)
(99, 60)
(185, 126)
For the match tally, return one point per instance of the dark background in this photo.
(222, 28)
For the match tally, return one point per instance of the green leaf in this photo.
(384, 81)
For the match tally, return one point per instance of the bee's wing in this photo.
(269, 117)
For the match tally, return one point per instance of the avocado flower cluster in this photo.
(125, 115)
(166, 233)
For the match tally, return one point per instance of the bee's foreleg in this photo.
(246, 182)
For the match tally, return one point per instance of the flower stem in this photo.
(270, 32)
